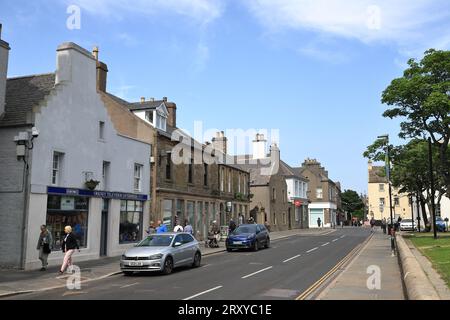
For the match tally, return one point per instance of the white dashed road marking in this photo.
(313, 249)
(252, 274)
(199, 294)
(294, 257)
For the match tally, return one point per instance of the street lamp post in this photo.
(418, 210)
(388, 171)
(412, 214)
(433, 207)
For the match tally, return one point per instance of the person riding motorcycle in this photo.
(213, 235)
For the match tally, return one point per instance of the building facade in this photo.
(297, 189)
(185, 185)
(268, 187)
(323, 194)
(378, 196)
(81, 170)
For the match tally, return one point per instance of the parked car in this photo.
(162, 252)
(248, 236)
(408, 224)
(440, 224)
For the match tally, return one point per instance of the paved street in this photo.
(284, 271)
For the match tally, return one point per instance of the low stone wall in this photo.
(417, 284)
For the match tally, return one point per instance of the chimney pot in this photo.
(95, 53)
(165, 99)
(142, 99)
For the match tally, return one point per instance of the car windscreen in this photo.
(407, 220)
(245, 229)
(156, 241)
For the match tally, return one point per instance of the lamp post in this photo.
(388, 176)
(418, 211)
(412, 213)
(433, 207)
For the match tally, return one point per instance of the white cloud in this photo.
(201, 11)
(408, 24)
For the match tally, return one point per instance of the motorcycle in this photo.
(212, 240)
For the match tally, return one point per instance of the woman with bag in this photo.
(69, 245)
(44, 245)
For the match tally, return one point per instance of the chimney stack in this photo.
(102, 71)
(220, 142)
(259, 147)
(142, 99)
(4, 55)
(172, 109)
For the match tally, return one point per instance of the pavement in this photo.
(358, 280)
(14, 282)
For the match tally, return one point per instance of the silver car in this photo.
(162, 252)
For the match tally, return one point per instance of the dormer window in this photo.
(149, 116)
(161, 117)
(161, 122)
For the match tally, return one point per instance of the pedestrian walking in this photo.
(45, 246)
(232, 226)
(241, 219)
(372, 224)
(188, 228)
(251, 220)
(69, 245)
(161, 227)
(383, 225)
(319, 222)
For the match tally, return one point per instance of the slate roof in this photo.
(22, 94)
(147, 105)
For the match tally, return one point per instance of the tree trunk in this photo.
(423, 209)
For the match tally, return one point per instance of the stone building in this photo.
(79, 166)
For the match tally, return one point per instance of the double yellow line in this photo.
(317, 284)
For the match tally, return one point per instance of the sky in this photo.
(312, 69)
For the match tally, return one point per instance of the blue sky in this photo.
(313, 69)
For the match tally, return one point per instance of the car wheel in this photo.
(267, 245)
(168, 266)
(127, 273)
(256, 246)
(197, 260)
(229, 249)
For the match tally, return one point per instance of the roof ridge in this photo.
(32, 76)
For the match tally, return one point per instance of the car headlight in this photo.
(124, 257)
(155, 256)
(250, 237)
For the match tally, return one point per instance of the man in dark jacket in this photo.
(232, 226)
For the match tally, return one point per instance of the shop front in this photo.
(104, 223)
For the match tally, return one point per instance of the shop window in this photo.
(67, 211)
(131, 215)
(167, 213)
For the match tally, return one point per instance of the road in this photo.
(283, 271)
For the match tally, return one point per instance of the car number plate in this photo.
(135, 264)
(237, 242)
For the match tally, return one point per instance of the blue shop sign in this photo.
(97, 194)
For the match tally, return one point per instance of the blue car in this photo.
(248, 236)
(440, 224)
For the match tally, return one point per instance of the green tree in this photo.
(410, 170)
(352, 202)
(422, 99)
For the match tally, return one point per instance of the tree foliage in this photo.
(351, 201)
(422, 99)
